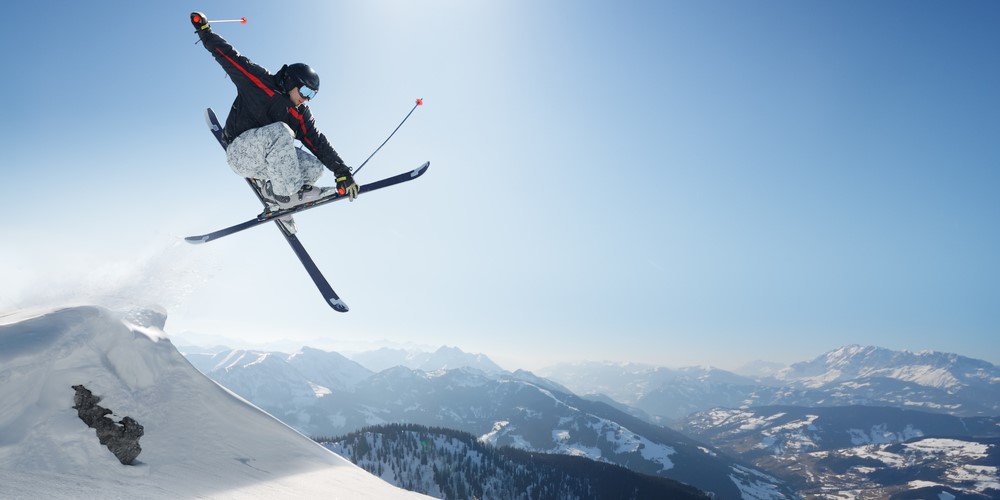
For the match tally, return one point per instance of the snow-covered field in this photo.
(200, 440)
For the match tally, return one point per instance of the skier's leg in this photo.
(269, 153)
(310, 167)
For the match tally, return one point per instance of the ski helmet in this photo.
(297, 75)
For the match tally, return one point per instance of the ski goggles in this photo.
(307, 92)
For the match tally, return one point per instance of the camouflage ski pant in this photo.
(269, 153)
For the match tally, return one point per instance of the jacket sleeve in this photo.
(307, 133)
(241, 70)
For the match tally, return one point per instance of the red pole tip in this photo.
(243, 20)
(420, 102)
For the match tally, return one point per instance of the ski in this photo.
(322, 285)
(268, 215)
(319, 280)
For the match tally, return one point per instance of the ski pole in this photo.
(420, 102)
(197, 18)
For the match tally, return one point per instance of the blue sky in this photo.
(674, 183)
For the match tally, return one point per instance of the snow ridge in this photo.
(200, 440)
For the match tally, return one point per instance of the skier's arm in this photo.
(241, 70)
(308, 134)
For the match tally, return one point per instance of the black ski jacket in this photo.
(260, 101)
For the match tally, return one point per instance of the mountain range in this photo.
(851, 375)
(627, 404)
(516, 409)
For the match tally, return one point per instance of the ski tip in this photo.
(338, 305)
(417, 172)
(213, 123)
(196, 240)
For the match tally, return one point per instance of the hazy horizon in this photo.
(350, 348)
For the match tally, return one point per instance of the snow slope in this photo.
(200, 440)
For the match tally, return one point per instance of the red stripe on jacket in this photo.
(252, 78)
(302, 123)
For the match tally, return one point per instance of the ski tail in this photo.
(319, 280)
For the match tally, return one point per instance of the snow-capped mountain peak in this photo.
(329, 369)
(452, 357)
(444, 358)
(945, 371)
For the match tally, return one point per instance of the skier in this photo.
(266, 118)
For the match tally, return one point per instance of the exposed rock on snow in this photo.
(121, 438)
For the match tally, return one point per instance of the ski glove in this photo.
(200, 22)
(346, 185)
